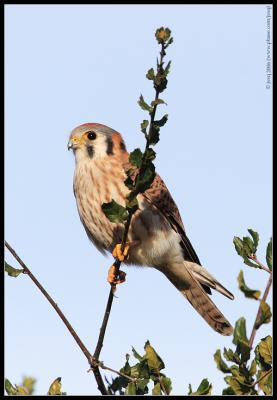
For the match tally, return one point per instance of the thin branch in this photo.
(259, 313)
(262, 266)
(104, 325)
(162, 385)
(98, 377)
(262, 377)
(117, 262)
(101, 365)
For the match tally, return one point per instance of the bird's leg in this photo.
(112, 278)
(121, 256)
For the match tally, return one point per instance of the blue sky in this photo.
(70, 64)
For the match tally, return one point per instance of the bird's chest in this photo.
(95, 184)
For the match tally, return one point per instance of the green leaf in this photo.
(190, 389)
(135, 157)
(129, 182)
(269, 255)
(255, 237)
(118, 384)
(156, 102)
(150, 74)
(127, 368)
(264, 350)
(136, 354)
(228, 391)
(231, 356)
(162, 121)
(154, 361)
(29, 384)
(163, 35)
(156, 391)
(253, 368)
(250, 263)
(160, 82)
(146, 177)
(144, 105)
(265, 315)
(238, 245)
(166, 384)
(237, 387)
(142, 386)
(265, 384)
(144, 125)
(154, 134)
(221, 365)
(12, 271)
(248, 246)
(244, 350)
(240, 339)
(10, 389)
(240, 331)
(142, 383)
(132, 203)
(140, 370)
(131, 172)
(22, 391)
(236, 372)
(204, 389)
(135, 371)
(55, 387)
(167, 68)
(131, 389)
(115, 212)
(150, 154)
(249, 293)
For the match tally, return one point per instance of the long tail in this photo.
(204, 277)
(185, 281)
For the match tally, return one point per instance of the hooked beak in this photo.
(73, 142)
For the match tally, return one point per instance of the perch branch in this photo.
(262, 266)
(262, 377)
(117, 262)
(26, 270)
(259, 313)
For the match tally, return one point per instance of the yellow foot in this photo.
(112, 278)
(117, 253)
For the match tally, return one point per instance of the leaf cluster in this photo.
(247, 248)
(145, 375)
(141, 174)
(243, 373)
(204, 389)
(246, 376)
(11, 271)
(27, 387)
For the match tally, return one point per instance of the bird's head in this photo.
(94, 141)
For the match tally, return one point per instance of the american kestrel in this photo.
(156, 236)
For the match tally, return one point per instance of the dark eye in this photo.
(91, 135)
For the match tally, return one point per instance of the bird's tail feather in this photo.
(184, 280)
(204, 277)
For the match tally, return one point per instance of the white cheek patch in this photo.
(99, 146)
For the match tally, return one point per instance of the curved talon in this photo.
(112, 279)
(117, 253)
